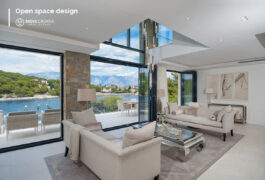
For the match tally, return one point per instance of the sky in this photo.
(26, 62)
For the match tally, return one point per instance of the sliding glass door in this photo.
(30, 96)
(188, 87)
(117, 88)
(182, 87)
(173, 87)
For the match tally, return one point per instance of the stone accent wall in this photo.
(76, 75)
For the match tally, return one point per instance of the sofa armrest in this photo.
(66, 130)
(228, 121)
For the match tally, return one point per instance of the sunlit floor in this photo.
(23, 136)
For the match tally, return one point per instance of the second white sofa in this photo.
(202, 120)
(104, 155)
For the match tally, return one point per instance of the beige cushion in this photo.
(196, 120)
(172, 107)
(84, 118)
(204, 112)
(135, 136)
(179, 111)
(190, 110)
(105, 135)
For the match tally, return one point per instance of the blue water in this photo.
(32, 104)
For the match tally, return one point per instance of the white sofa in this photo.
(104, 155)
(202, 120)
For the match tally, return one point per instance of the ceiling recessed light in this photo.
(187, 18)
(244, 18)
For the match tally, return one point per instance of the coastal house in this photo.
(138, 90)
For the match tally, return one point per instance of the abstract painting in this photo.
(241, 86)
(226, 86)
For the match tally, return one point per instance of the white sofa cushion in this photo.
(135, 136)
(197, 120)
(85, 117)
(204, 112)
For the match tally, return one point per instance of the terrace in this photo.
(28, 135)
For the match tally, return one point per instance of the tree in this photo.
(172, 85)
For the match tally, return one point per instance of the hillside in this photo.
(18, 85)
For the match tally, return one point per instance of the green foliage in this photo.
(98, 88)
(26, 86)
(172, 85)
(143, 86)
(106, 104)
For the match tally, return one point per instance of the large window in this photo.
(173, 87)
(29, 84)
(117, 93)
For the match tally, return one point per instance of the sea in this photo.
(40, 105)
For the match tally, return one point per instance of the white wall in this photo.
(256, 97)
(162, 83)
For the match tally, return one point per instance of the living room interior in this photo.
(119, 90)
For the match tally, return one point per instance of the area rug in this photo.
(172, 168)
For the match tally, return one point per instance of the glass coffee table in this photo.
(180, 138)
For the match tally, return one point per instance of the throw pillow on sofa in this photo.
(85, 117)
(220, 114)
(135, 136)
(179, 111)
(172, 107)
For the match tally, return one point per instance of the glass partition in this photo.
(188, 87)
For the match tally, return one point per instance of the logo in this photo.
(19, 22)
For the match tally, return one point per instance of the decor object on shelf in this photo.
(85, 95)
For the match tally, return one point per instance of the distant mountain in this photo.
(114, 80)
(46, 75)
(95, 80)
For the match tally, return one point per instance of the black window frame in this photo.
(122, 63)
(194, 85)
(53, 140)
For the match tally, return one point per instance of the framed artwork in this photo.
(226, 86)
(241, 86)
(229, 86)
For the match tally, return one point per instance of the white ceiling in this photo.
(214, 23)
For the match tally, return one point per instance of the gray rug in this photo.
(172, 168)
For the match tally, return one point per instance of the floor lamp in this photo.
(85, 95)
